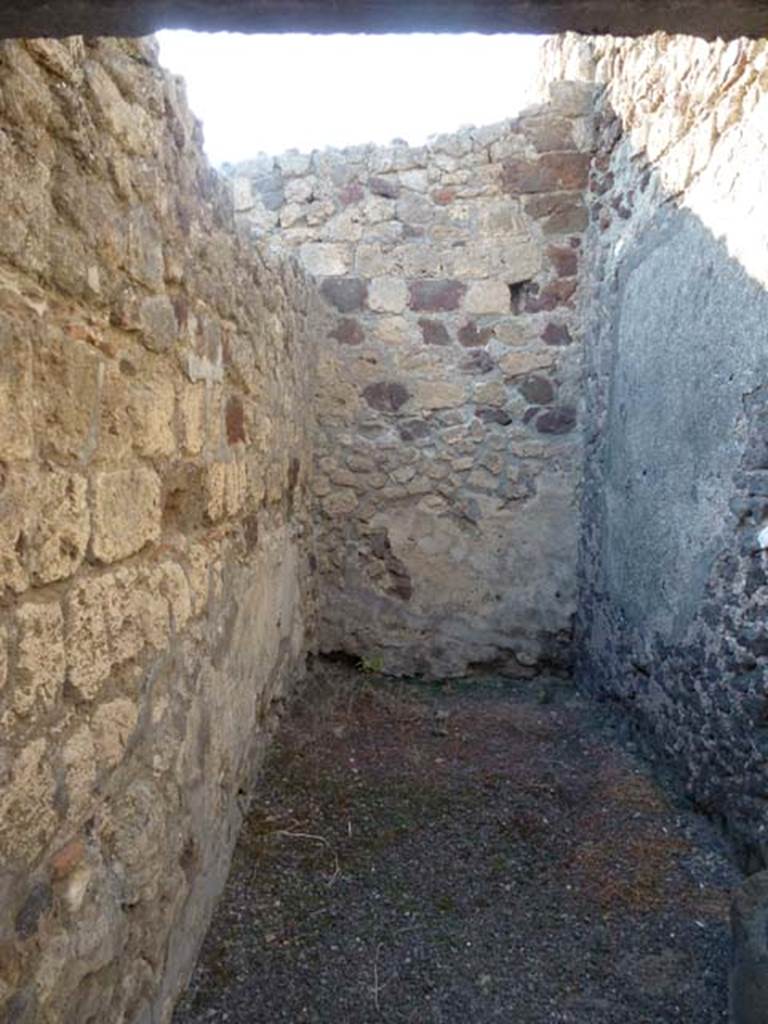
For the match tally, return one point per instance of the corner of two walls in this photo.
(673, 571)
(448, 395)
(154, 529)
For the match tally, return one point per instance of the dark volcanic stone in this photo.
(560, 420)
(435, 296)
(413, 430)
(471, 336)
(348, 332)
(386, 396)
(538, 390)
(235, 420)
(492, 414)
(433, 332)
(556, 334)
(346, 294)
(38, 902)
(389, 188)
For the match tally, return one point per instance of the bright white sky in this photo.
(273, 92)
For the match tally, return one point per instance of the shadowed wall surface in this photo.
(672, 594)
(140, 17)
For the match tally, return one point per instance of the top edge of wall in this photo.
(58, 18)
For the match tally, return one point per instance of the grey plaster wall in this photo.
(671, 622)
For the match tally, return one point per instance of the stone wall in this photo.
(448, 397)
(165, 385)
(674, 593)
(154, 596)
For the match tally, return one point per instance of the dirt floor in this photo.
(474, 852)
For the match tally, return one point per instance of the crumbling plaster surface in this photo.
(673, 597)
(448, 393)
(155, 586)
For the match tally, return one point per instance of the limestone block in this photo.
(439, 394)
(62, 529)
(372, 261)
(325, 259)
(16, 409)
(159, 327)
(300, 190)
(152, 412)
(17, 500)
(226, 489)
(317, 214)
(516, 330)
(65, 367)
(126, 122)
(501, 217)
(487, 297)
(513, 260)
(343, 227)
(113, 724)
(517, 364)
(391, 331)
(416, 180)
(126, 512)
(88, 655)
(511, 145)
(27, 815)
(387, 233)
(387, 295)
(572, 98)
(192, 418)
(200, 559)
(3, 657)
(414, 208)
(58, 56)
(126, 614)
(42, 658)
(78, 758)
(262, 220)
(145, 261)
(173, 585)
(342, 501)
(490, 392)
(292, 214)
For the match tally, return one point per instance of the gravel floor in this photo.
(469, 853)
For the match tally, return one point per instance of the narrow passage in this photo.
(458, 854)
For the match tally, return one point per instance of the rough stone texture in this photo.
(447, 492)
(155, 582)
(156, 548)
(749, 964)
(140, 17)
(673, 592)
